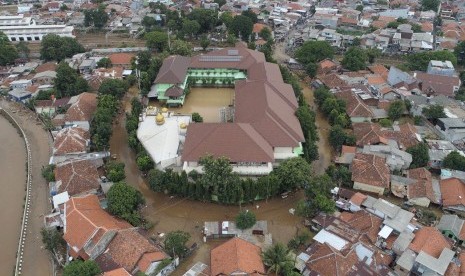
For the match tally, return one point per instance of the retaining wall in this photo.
(27, 204)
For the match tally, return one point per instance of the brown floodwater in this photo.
(13, 185)
(173, 213)
(205, 101)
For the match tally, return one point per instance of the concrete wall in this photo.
(421, 201)
(283, 152)
(368, 188)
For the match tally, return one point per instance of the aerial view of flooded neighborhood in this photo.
(232, 137)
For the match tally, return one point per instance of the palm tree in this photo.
(277, 258)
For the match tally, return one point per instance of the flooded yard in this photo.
(13, 171)
(205, 101)
(172, 213)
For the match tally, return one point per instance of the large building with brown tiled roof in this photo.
(453, 194)
(264, 130)
(77, 178)
(81, 110)
(356, 109)
(370, 173)
(71, 140)
(372, 134)
(236, 257)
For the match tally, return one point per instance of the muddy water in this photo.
(170, 214)
(205, 101)
(13, 184)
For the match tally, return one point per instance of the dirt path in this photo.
(36, 259)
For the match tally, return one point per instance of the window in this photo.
(13, 39)
(21, 38)
(29, 38)
(36, 38)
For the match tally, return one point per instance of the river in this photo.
(13, 173)
(169, 214)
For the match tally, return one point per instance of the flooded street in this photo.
(13, 171)
(169, 214)
(205, 101)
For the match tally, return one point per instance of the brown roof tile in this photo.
(236, 255)
(121, 58)
(71, 140)
(370, 169)
(423, 187)
(358, 198)
(355, 106)
(77, 177)
(83, 109)
(430, 241)
(452, 192)
(49, 66)
(117, 272)
(173, 70)
(437, 84)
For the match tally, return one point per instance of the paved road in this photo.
(36, 259)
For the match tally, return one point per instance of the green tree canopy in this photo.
(265, 33)
(104, 63)
(250, 14)
(396, 110)
(54, 47)
(430, 5)
(175, 243)
(123, 200)
(241, 26)
(454, 161)
(459, 52)
(156, 40)
(293, 173)
(338, 137)
(277, 258)
(190, 27)
(226, 18)
(115, 171)
(205, 17)
(23, 49)
(355, 59)
(434, 112)
(420, 155)
(245, 220)
(181, 47)
(318, 196)
(96, 17)
(54, 242)
(144, 162)
(68, 82)
(204, 42)
(114, 87)
(314, 51)
(8, 52)
(82, 268)
(340, 175)
(197, 118)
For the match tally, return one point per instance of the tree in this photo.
(337, 137)
(156, 40)
(206, 18)
(48, 172)
(385, 122)
(220, 2)
(23, 49)
(68, 82)
(340, 175)
(115, 171)
(114, 87)
(82, 268)
(250, 14)
(314, 51)
(144, 162)
(459, 52)
(265, 33)
(434, 112)
(218, 176)
(419, 61)
(226, 18)
(124, 200)
(231, 39)
(318, 196)
(241, 26)
(277, 258)
(180, 47)
(149, 23)
(293, 173)
(54, 47)
(190, 27)
(104, 63)
(197, 118)
(359, 8)
(245, 220)
(430, 5)
(175, 243)
(454, 161)
(311, 69)
(372, 54)
(96, 17)
(8, 52)
(420, 155)
(54, 243)
(354, 59)
(204, 42)
(396, 110)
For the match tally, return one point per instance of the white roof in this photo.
(327, 237)
(161, 141)
(385, 232)
(60, 199)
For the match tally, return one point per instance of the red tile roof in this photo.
(236, 255)
(117, 272)
(83, 109)
(423, 187)
(429, 240)
(355, 107)
(121, 58)
(257, 27)
(49, 66)
(437, 84)
(372, 134)
(77, 177)
(84, 219)
(71, 140)
(371, 170)
(452, 192)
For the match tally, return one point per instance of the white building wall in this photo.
(36, 32)
(368, 188)
(283, 152)
(241, 170)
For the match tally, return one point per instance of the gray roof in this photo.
(437, 265)
(386, 207)
(453, 122)
(395, 13)
(403, 241)
(400, 221)
(402, 180)
(407, 259)
(19, 93)
(452, 223)
(396, 76)
(369, 202)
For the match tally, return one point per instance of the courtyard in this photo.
(205, 101)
